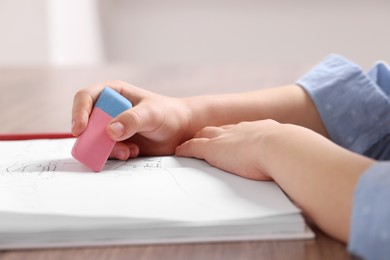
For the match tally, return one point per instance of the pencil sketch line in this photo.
(186, 193)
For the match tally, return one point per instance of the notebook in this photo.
(48, 199)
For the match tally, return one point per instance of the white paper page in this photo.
(41, 177)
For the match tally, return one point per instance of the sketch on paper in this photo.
(148, 163)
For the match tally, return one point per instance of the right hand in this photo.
(155, 125)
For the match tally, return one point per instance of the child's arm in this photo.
(157, 124)
(286, 104)
(316, 173)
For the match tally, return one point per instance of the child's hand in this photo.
(235, 148)
(154, 126)
(258, 149)
(319, 176)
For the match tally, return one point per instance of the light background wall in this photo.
(23, 32)
(201, 31)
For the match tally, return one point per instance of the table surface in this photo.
(40, 100)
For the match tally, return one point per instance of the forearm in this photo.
(287, 104)
(323, 183)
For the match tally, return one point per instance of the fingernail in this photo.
(73, 125)
(74, 128)
(117, 129)
(133, 151)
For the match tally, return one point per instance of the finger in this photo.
(85, 99)
(82, 107)
(124, 151)
(226, 127)
(145, 117)
(196, 148)
(209, 132)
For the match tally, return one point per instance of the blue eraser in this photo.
(93, 146)
(112, 102)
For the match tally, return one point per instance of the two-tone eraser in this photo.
(93, 147)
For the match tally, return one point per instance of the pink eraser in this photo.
(93, 147)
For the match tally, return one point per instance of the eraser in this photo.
(93, 147)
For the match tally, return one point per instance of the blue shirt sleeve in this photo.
(354, 106)
(370, 222)
(355, 109)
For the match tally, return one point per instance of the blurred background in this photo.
(199, 32)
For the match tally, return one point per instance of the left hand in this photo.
(233, 148)
(318, 175)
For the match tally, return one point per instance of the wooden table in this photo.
(40, 100)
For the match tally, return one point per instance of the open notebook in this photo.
(48, 199)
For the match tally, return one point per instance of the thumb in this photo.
(193, 148)
(140, 118)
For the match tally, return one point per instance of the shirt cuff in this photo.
(370, 222)
(353, 107)
(380, 74)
